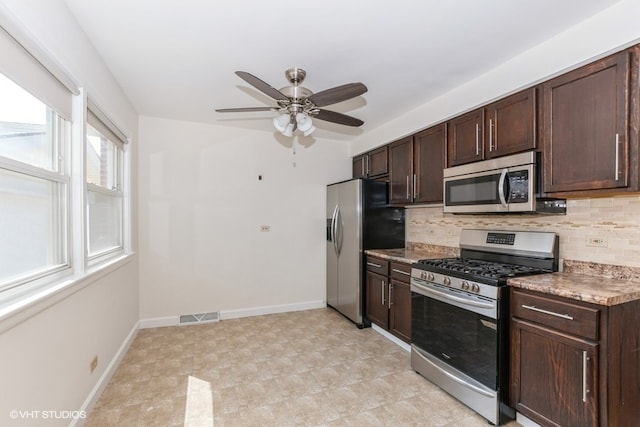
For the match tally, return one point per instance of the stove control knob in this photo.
(423, 275)
(446, 281)
(431, 277)
(465, 285)
(475, 288)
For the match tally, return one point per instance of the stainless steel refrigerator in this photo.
(358, 218)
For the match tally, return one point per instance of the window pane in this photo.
(26, 127)
(102, 160)
(32, 225)
(105, 222)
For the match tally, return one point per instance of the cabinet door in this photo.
(429, 148)
(554, 377)
(466, 138)
(401, 171)
(400, 310)
(585, 128)
(377, 294)
(511, 124)
(360, 166)
(378, 162)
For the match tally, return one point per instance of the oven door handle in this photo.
(453, 297)
(456, 379)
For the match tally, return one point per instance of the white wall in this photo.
(610, 30)
(45, 351)
(201, 208)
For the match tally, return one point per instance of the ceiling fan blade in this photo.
(262, 86)
(332, 116)
(245, 109)
(337, 94)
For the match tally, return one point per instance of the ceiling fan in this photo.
(299, 104)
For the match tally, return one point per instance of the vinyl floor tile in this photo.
(305, 368)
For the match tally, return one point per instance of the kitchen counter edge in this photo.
(411, 255)
(604, 291)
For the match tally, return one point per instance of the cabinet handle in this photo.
(371, 264)
(585, 390)
(382, 289)
(407, 187)
(617, 156)
(491, 135)
(415, 195)
(551, 313)
(400, 271)
(477, 140)
(389, 299)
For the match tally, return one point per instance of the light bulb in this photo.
(288, 130)
(305, 124)
(281, 122)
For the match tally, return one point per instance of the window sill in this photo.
(20, 308)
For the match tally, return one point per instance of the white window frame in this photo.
(61, 140)
(32, 68)
(96, 118)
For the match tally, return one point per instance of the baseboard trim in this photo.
(524, 421)
(391, 337)
(273, 309)
(159, 322)
(97, 390)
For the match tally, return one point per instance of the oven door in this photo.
(453, 332)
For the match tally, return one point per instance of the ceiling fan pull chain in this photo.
(293, 144)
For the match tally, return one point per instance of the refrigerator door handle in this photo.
(334, 231)
(339, 229)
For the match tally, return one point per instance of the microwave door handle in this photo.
(501, 187)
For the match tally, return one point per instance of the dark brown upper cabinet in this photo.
(504, 127)
(429, 154)
(372, 164)
(360, 166)
(590, 127)
(401, 171)
(511, 125)
(466, 138)
(415, 166)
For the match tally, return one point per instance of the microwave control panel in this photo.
(518, 186)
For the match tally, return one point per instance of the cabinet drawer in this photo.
(549, 311)
(401, 271)
(378, 265)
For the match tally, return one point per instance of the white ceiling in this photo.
(176, 59)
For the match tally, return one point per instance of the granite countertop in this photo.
(413, 253)
(599, 290)
(600, 284)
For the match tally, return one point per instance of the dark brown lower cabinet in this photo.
(377, 310)
(388, 296)
(574, 363)
(559, 376)
(400, 312)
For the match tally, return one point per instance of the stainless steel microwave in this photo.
(502, 185)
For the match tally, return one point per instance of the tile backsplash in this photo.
(603, 230)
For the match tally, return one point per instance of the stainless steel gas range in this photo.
(460, 314)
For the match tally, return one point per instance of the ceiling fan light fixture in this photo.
(281, 122)
(297, 104)
(288, 130)
(305, 124)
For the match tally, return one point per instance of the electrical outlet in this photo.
(94, 364)
(598, 242)
(265, 228)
